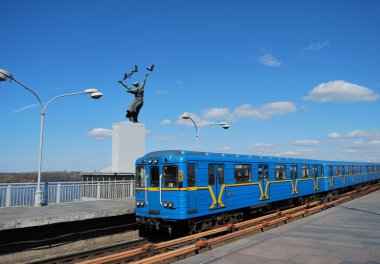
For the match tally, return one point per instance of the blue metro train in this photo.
(201, 189)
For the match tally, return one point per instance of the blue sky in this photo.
(292, 78)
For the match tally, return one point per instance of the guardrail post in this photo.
(46, 193)
(58, 194)
(98, 191)
(131, 192)
(8, 196)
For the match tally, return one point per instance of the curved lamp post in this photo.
(94, 93)
(198, 127)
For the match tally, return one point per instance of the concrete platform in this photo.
(348, 233)
(21, 217)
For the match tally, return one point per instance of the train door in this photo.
(192, 192)
(153, 194)
(294, 177)
(216, 185)
(263, 174)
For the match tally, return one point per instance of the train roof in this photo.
(188, 155)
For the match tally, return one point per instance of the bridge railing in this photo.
(22, 194)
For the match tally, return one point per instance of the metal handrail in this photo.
(22, 194)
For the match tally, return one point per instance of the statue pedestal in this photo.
(128, 144)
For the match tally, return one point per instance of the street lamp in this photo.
(94, 93)
(198, 127)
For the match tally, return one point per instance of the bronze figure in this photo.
(134, 109)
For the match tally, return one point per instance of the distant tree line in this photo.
(27, 177)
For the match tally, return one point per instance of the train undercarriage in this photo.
(200, 224)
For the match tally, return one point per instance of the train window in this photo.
(279, 172)
(154, 177)
(293, 172)
(342, 170)
(315, 171)
(190, 175)
(305, 171)
(220, 174)
(242, 173)
(337, 170)
(322, 170)
(211, 175)
(219, 169)
(348, 170)
(331, 170)
(357, 169)
(170, 176)
(263, 172)
(140, 176)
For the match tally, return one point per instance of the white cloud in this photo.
(316, 46)
(27, 107)
(100, 133)
(292, 153)
(165, 122)
(308, 143)
(341, 91)
(268, 60)
(334, 135)
(364, 134)
(217, 113)
(266, 111)
(259, 144)
(225, 149)
(199, 121)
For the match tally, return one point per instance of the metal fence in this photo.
(21, 194)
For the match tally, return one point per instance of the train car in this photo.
(201, 189)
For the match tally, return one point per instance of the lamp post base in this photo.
(38, 198)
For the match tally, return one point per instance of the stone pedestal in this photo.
(128, 144)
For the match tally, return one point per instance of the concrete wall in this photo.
(128, 144)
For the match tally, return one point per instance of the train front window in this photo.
(190, 175)
(154, 177)
(140, 176)
(170, 176)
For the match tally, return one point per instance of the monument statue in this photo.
(134, 109)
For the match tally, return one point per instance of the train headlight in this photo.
(166, 204)
(150, 161)
(171, 204)
(138, 203)
(155, 161)
(142, 203)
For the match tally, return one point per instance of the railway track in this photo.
(169, 251)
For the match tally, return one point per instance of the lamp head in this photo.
(4, 75)
(90, 90)
(96, 95)
(185, 115)
(224, 125)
